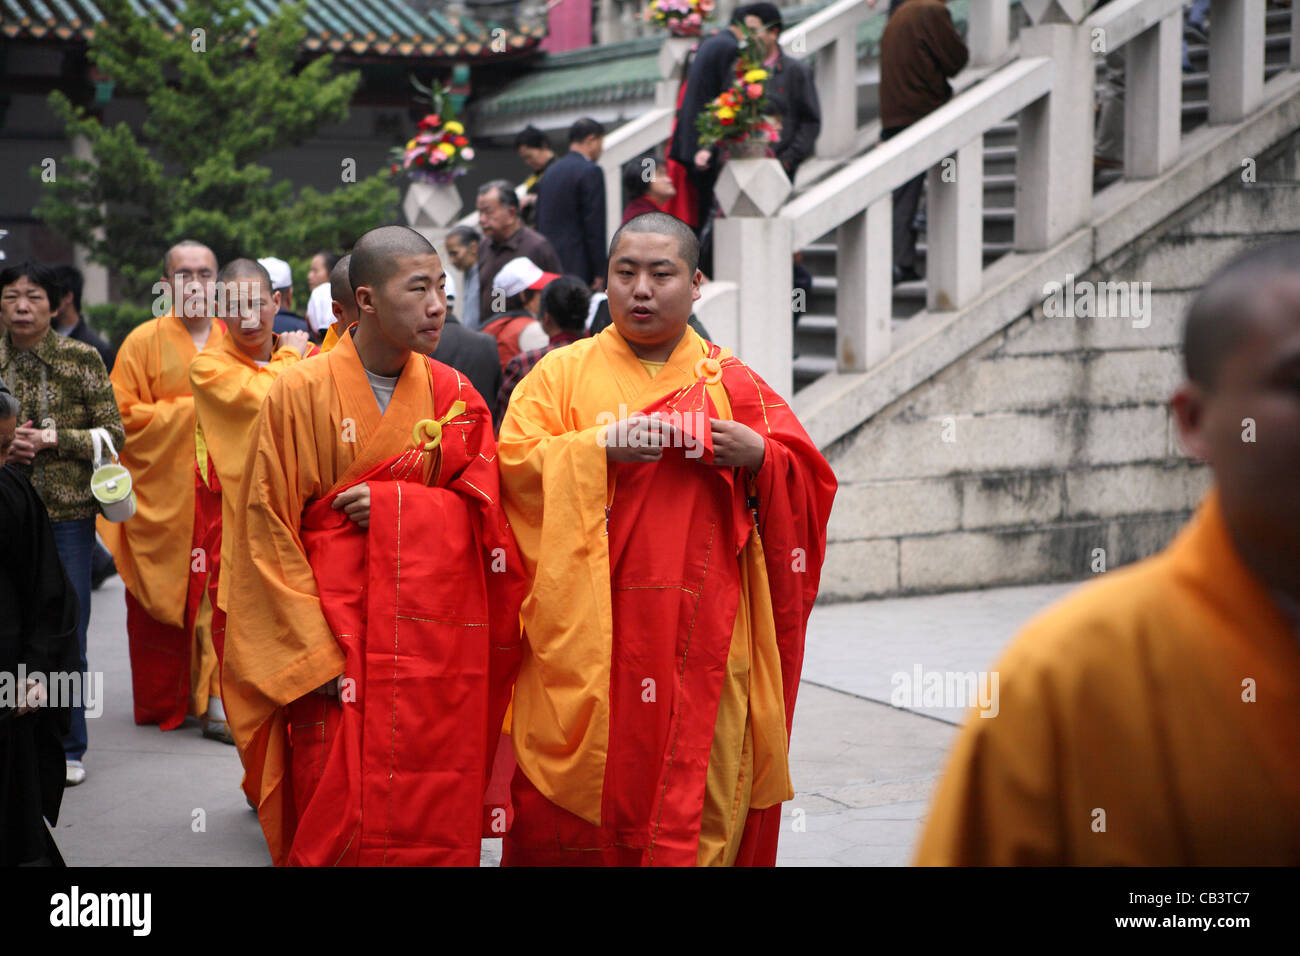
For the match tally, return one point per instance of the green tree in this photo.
(219, 93)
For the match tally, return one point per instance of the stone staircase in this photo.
(815, 334)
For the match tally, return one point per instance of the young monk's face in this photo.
(254, 322)
(1248, 425)
(651, 291)
(409, 308)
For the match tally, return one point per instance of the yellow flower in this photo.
(410, 144)
(755, 76)
(454, 127)
(446, 148)
(725, 112)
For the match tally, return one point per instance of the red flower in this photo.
(727, 122)
(460, 141)
(393, 168)
(755, 90)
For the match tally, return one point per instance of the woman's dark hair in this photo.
(635, 184)
(37, 274)
(566, 300)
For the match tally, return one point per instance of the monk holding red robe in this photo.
(1152, 718)
(152, 548)
(673, 555)
(373, 605)
(229, 385)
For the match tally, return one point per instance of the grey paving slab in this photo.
(863, 771)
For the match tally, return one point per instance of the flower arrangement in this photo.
(740, 112)
(683, 18)
(439, 151)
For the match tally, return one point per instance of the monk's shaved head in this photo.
(340, 284)
(191, 244)
(665, 225)
(237, 269)
(1234, 299)
(374, 258)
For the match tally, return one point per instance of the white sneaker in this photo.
(76, 773)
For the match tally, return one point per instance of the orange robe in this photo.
(228, 391)
(1150, 718)
(663, 635)
(331, 338)
(396, 774)
(152, 548)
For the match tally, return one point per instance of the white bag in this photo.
(110, 483)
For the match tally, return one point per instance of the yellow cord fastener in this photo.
(431, 429)
(709, 370)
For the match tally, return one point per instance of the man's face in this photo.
(463, 255)
(8, 428)
(1256, 396)
(534, 156)
(651, 291)
(26, 309)
(661, 187)
(254, 324)
(410, 307)
(497, 220)
(316, 272)
(592, 147)
(768, 38)
(192, 270)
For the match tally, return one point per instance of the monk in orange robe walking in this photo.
(152, 548)
(1152, 718)
(373, 606)
(342, 301)
(673, 555)
(229, 384)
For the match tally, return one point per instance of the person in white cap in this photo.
(286, 320)
(517, 287)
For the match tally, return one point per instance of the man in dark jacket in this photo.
(919, 51)
(69, 321)
(708, 74)
(571, 205)
(474, 354)
(790, 90)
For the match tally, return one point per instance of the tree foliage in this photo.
(219, 92)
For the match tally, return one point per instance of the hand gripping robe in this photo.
(663, 630)
(152, 549)
(1150, 718)
(419, 613)
(229, 388)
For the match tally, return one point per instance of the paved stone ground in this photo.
(863, 770)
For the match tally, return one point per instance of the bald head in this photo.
(340, 284)
(374, 258)
(188, 249)
(1239, 295)
(237, 269)
(660, 223)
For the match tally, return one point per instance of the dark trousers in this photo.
(75, 542)
(907, 200)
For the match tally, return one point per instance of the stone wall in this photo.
(1052, 439)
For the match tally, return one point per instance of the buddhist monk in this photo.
(373, 608)
(342, 301)
(151, 381)
(229, 384)
(671, 514)
(1153, 716)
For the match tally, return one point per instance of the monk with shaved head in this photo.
(373, 605)
(1152, 718)
(229, 382)
(342, 301)
(151, 380)
(671, 513)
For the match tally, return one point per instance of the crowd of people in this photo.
(533, 559)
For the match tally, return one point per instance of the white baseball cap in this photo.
(281, 277)
(521, 274)
(450, 289)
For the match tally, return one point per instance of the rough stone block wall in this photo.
(1053, 439)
